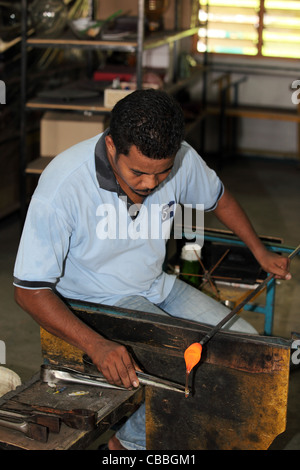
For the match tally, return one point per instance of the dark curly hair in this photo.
(149, 119)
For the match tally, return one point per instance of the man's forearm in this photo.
(50, 312)
(230, 213)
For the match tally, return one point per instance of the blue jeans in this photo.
(184, 301)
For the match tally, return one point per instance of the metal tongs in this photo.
(53, 374)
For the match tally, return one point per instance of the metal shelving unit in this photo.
(69, 41)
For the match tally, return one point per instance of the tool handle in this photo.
(31, 430)
(17, 425)
(252, 294)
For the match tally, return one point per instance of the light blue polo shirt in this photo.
(82, 239)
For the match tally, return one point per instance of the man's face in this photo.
(141, 174)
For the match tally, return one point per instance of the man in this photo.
(83, 234)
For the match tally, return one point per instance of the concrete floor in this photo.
(270, 193)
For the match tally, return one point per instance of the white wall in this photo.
(268, 84)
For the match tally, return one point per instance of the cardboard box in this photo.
(60, 131)
(113, 95)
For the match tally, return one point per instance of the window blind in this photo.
(250, 27)
(281, 29)
(229, 26)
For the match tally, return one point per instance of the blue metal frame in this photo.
(268, 309)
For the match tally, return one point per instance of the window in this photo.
(281, 29)
(269, 28)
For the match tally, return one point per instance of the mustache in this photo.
(145, 191)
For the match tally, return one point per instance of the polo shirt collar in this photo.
(104, 173)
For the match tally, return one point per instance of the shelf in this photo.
(36, 167)
(68, 40)
(89, 104)
(150, 42)
(38, 104)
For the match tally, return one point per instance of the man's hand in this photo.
(275, 264)
(230, 213)
(115, 363)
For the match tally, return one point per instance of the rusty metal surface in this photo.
(230, 409)
(240, 387)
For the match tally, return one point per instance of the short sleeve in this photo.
(200, 184)
(43, 247)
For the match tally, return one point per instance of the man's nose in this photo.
(150, 181)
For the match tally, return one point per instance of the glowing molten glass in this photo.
(192, 356)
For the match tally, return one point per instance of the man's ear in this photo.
(110, 145)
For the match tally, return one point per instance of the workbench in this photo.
(110, 406)
(239, 390)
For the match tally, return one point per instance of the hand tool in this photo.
(50, 422)
(52, 374)
(32, 430)
(145, 379)
(192, 354)
(79, 418)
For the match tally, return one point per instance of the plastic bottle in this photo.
(190, 254)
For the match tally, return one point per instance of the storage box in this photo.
(113, 95)
(60, 131)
